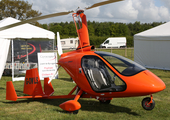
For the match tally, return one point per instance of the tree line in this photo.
(99, 31)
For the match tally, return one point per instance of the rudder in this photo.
(48, 88)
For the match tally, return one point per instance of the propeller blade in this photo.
(35, 19)
(54, 75)
(60, 51)
(102, 3)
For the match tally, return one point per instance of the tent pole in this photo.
(12, 60)
(53, 44)
(27, 51)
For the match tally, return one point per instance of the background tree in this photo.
(91, 30)
(56, 28)
(18, 9)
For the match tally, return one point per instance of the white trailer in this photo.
(69, 43)
(114, 42)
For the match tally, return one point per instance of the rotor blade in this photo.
(35, 19)
(102, 3)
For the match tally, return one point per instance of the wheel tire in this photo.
(105, 101)
(147, 106)
(73, 112)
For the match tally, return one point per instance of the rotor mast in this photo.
(81, 28)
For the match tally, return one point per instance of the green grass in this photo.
(91, 109)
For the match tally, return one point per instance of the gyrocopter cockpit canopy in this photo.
(123, 65)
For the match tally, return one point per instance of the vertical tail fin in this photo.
(48, 88)
(10, 91)
(32, 85)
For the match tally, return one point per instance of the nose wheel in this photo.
(148, 103)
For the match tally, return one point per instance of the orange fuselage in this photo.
(140, 84)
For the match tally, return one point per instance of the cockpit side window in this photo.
(118, 64)
(100, 77)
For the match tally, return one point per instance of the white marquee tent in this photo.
(152, 47)
(25, 31)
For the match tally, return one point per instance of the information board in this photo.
(47, 65)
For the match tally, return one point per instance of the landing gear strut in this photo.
(148, 103)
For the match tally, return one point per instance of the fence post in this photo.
(125, 51)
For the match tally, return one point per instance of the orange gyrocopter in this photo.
(98, 75)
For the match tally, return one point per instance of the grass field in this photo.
(91, 109)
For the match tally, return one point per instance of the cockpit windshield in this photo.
(123, 65)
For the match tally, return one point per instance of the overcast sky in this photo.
(145, 11)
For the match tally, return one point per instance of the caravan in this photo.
(114, 42)
(69, 43)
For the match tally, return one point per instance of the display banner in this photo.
(47, 65)
(33, 47)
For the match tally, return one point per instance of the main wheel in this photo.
(73, 112)
(105, 101)
(146, 105)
